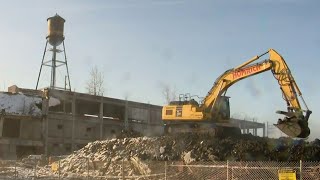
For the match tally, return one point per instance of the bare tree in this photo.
(168, 93)
(95, 84)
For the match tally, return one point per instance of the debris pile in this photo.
(20, 104)
(107, 157)
(128, 134)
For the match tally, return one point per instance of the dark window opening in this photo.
(87, 107)
(11, 128)
(88, 129)
(68, 147)
(115, 111)
(113, 131)
(24, 151)
(64, 106)
(60, 126)
(168, 112)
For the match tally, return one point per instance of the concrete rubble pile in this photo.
(112, 157)
(146, 155)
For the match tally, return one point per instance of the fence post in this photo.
(15, 169)
(165, 170)
(122, 169)
(300, 169)
(231, 172)
(87, 168)
(35, 171)
(227, 169)
(59, 168)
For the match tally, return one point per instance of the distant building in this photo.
(32, 124)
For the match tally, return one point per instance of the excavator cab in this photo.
(221, 111)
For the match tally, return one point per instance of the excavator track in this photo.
(201, 128)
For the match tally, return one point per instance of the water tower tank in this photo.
(55, 30)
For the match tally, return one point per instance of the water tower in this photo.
(55, 38)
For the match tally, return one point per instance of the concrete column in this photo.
(150, 114)
(21, 125)
(101, 118)
(267, 129)
(264, 130)
(64, 106)
(126, 123)
(73, 121)
(1, 125)
(45, 123)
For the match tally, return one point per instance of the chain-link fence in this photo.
(134, 168)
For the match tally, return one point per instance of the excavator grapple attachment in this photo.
(294, 129)
(293, 125)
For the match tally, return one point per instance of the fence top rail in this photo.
(230, 161)
(133, 176)
(237, 167)
(266, 167)
(208, 166)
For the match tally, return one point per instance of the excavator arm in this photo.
(295, 122)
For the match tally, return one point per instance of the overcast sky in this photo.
(142, 45)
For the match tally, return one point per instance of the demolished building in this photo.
(63, 121)
(57, 122)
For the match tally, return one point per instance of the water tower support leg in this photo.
(44, 52)
(65, 57)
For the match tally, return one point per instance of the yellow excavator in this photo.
(212, 114)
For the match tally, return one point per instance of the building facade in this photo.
(70, 121)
